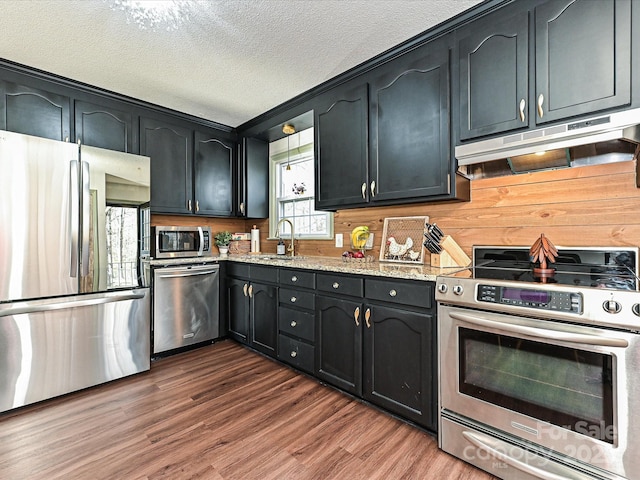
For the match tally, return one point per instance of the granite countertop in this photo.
(331, 264)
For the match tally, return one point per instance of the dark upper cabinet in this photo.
(494, 71)
(252, 181)
(410, 145)
(213, 164)
(105, 126)
(583, 57)
(34, 111)
(522, 67)
(341, 148)
(170, 148)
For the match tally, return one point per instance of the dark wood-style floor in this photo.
(218, 412)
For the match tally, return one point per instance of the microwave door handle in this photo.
(74, 213)
(86, 218)
(543, 333)
(201, 246)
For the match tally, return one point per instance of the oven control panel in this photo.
(569, 302)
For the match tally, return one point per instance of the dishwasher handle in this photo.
(189, 271)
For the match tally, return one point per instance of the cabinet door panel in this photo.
(583, 57)
(494, 76)
(264, 315)
(339, 343)
(32, 111)
(253, 179)
(213, 176)
(170, 148)
(237, 309)
(399, 363)
(103, 127)
(341, 149)
(410, 148)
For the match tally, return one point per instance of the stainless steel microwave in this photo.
(181, 242)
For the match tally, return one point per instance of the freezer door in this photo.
(38, 182)
(56, 346)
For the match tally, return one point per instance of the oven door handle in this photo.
(483, 442)
(580, 338)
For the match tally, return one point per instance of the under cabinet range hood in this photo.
(604, 128)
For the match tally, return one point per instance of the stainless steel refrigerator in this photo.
(72, 312)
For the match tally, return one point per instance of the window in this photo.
(293, 189)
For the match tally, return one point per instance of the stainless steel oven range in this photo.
(542, 380)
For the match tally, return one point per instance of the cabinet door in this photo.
(213, 176)
(253, 179)
(264, 317)
(399, 363)
(170, 148)
(342, 149)
(494, 75)
(34, 112)
(238, 309)
(409, 127)
(583, 57)
(104, 127)
(339, 343)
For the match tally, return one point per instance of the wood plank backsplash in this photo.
(596, 205)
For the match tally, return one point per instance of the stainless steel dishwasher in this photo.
(185, 305)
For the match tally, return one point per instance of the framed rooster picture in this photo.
(402, 240)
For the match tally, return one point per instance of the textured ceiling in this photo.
(222, 60)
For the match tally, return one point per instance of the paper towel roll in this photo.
(255, 239)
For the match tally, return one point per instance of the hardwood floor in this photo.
(219, 412)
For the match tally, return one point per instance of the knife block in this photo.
(452, 255)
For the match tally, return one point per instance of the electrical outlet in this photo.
(339, 240)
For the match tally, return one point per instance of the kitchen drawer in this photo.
(297, 353)
(297, 323)
(296, 298)
(417, 294)
(343, 284)
(264, 274)
(298, 278)
(237, 269)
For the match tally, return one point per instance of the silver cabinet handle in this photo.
(197, 206)
(364, 190)
(294, 279)
(294, 323)
(242, 207)
(250, 291)
(293, 354)
(540, 102)
(293, 299)
(373, 188)
(522, 105)
(367, 315)
(335, 285)
(244, 289)
(189, 205)
(392, 293)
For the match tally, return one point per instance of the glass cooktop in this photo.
(598, 267)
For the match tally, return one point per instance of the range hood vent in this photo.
(614, 126)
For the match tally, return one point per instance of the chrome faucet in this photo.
(290, 248)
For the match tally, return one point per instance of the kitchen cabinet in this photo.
(34, 111)
(191, 170)
(252, 182)
(296, 321)
(252, 306)
(106, 126)
(386, 139)
(581, 64)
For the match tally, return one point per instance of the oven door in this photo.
(568, 388)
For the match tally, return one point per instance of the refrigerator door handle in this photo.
(48, 305)
(74, 202)
(86, 218)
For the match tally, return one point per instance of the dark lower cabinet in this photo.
(105, 126)
(238, 309)
(34, 111)
(399, 362)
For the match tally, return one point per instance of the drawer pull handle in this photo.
(293, 299)
(367, 315)
(294, 279)
(336, 285)
(392, 293)
(293, 354)
(356, 316)
(293, 323)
